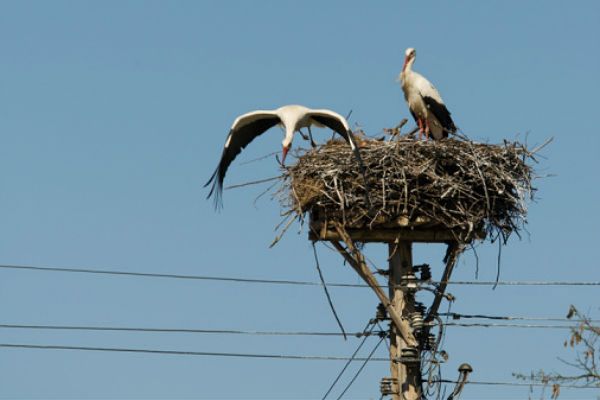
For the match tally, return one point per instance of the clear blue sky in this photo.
(113, 114)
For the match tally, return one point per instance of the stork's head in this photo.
(409, 56)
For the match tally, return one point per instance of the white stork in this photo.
(424, 101)
(293, 118)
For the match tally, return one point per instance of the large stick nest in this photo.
(451, 184)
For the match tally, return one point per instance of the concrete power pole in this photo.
(405, 365)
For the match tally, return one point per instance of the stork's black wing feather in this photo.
(333, 124)
(413, 115)
(237, 140)
(442, 114)
(338, 126)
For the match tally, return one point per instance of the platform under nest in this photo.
(459, 186)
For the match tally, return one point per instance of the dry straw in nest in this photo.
(453, 184)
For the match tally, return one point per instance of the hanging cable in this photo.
(182, 353)
(508, 318)
(284, 281)
(516, 384)
(525, 326)
(181, 330)
(337, 318)
(257, 332)
(361, 368)
(352, 357)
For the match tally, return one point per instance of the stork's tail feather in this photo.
(450, 128)
(216, 189)
(212, 178)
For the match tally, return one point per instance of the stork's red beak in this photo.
(285, 151)
(405, 62)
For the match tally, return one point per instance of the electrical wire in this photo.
(352, 357)
(182, 353)
(509, 318)
(381, 332)
(517, 384)
(281, 356)
(525, 283)
(361, 368)
(327, 295)
(172, 276)
(272, 356)
(284, 281)
(492, 325)
(259, 333)
(183, 330)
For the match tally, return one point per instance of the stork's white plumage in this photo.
(424, 101)
(292, 118)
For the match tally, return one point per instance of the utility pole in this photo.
(408, 336)
(405, 364)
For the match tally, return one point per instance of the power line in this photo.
(331, 306)
(492, 325)
(183, 353)
(514, 384)
(364, 364)
(172, 276)
(183, 330)
(257, 332)
(352, 357)
(284, 281)
(525, 283)
(251, 355)
(510, 318)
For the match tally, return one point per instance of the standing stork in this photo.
(424, 101)
(248, 126)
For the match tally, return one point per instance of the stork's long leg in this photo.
(308, 137)
(312, 142)
(302, 134)
(420, 122)
(426, 129)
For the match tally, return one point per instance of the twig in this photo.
(259, 158)
(541, 146)
(253, 182)
(283, 231)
